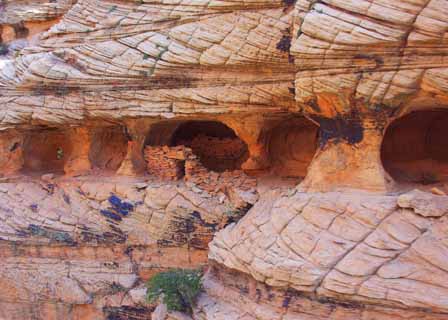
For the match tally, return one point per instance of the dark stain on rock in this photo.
(289, 294)
(289, 3)
(34, 207)
(61, 91)
(238, 214)
(244, 290)
(292, 90)
(49, 187)
(378, 60)
(345, 304)
(180, 232)
(81, 192)
(284, 44)
(349, 129)
(105, 238)
(20, 30)
(291, 298)
(66, 198)
(258, 295)
(119, 206)
(110, 237)
(128, 313)
(126, 133)
(111, 215)
(53, 235)
(111, 265)
(117, 233)
(21, 233)
(191, 230)
(14, 147)
(198, 217)
(128, 251)
(285, 302)
(4, 48)
(314, 105)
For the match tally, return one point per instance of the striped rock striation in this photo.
(318, 130)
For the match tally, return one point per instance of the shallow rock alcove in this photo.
(108, 148)
(292, 144)
(46, 151)
(415, 148)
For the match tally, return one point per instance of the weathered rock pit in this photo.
(292, 144)
(46, 151)
(108, 148)
(415, 148)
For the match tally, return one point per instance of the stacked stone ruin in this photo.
(221, 152)
(135, 135)
(179, 162)
(167, 162)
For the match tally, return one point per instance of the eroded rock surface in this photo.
(235, 295)
(379, 250)
(316, 118)
(69, 245)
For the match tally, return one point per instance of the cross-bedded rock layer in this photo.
(329, 91)
(68, 245)
(384, 250)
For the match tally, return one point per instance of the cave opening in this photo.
(108, 148)
(217, 146)
(292, 144)
(46, 151)
(415, 148)
(173, 145)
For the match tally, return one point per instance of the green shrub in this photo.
(59, 153)
(178, 289)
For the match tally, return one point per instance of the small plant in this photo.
(231, 211)
(59, 153)
(178, 289)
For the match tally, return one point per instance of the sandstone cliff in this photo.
(295, 150)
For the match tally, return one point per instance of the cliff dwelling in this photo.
(288, 146)
(207, 153)
(217, 146)
(223, 160)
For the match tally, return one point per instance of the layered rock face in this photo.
(295, 150)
